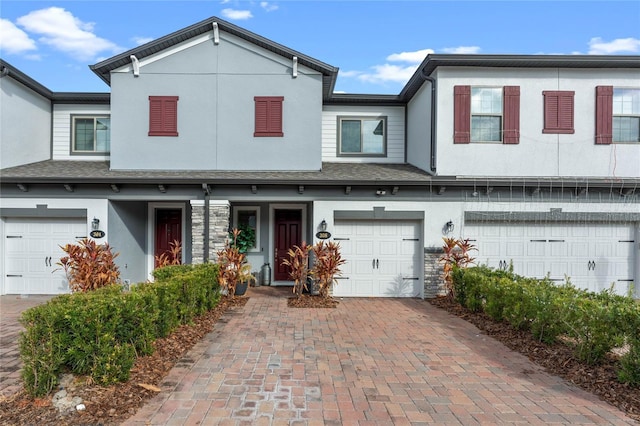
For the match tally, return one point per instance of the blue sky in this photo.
(376, 44)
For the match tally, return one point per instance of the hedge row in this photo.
(100, 333)
(595, 323)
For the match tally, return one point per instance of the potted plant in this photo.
(245, 239)
(298, 263)
(235, 273)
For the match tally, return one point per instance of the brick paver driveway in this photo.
(370, 361)
(11, 307)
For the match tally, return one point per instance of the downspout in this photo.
(207, 197)
(205, 257)
(432, 161)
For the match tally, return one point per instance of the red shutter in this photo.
(462, 114)
(511, 129)
(163, 115)
(268, 116)
(558, 111)
(604, 115)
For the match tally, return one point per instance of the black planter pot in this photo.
(241, 288)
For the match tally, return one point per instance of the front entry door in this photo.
(288, 233)
(168, 229)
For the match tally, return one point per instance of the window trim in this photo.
(236, 210)
(614, 115)
(510, 115)
(501, 115)
(558, 94)
(165, 129)
(72, 150)
(341, 118)
(269, 130)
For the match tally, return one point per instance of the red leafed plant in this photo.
(326, 265)
(173, 256)
(298, 263)
(456, 255)
(89, 265)
(233, 264)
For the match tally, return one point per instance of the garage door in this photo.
(383, 258)
(32, 249)
(594, 256)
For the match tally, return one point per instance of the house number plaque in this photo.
(323, 235)
(97, 234)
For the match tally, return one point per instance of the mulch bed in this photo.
(114, 404)
(600, 380)
(308, 301)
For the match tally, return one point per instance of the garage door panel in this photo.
(535, 248)
(385, 253)
(515, 248)
(32, 249)
(559, 249)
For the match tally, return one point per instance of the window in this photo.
(486, 114)
(91, 134)
(268, 119)
(248, 216)
(626, 115)
(558, 111)
(163, 115)
(362, 136)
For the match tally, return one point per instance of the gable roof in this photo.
(8, 70)
(103, 69)
(433, 61)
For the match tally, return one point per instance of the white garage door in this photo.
(31, 251)
(383, 258)
(593, 256)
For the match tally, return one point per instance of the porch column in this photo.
(219, 211)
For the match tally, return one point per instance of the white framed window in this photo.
(626, 115)
(362, 136)
(486, 114)
(90, 134)
(248, 216)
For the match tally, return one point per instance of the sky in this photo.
(377, 45)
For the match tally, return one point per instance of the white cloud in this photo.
(141, 40)
(237, 14)
(620, 45)
(411, 57)
(13, 39)
(388, 72)
(462, 50)
(269, 7)
(61, 30)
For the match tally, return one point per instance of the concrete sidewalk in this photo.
(368, 362)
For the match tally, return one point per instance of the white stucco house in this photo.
(536, 159)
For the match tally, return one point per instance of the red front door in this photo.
(168, 229)
(288, 233)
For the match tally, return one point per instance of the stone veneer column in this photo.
(219, 211)
(433, 282)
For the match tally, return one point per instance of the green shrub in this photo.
(594, 323)
(99, 333)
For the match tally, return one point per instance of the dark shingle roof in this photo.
(52, 171)
(433, 61)
(103, 69)
(10, 71)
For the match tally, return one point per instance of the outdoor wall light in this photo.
(448, 227)
(323, 225)
(95, 224)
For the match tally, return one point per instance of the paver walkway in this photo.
(368, 362)
(11, 306)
